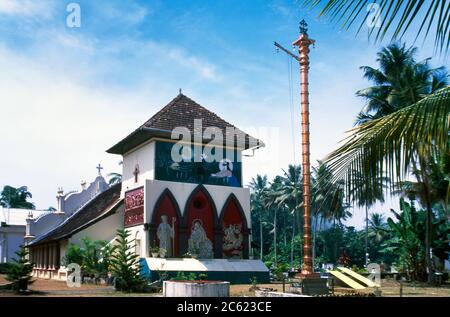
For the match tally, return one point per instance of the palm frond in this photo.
(395, 17)
(392, 143)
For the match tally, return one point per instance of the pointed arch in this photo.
(201, 206)
(166, 205)
(234, 229)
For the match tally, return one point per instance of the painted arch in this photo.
(234, 230)
(200, 214)
(166, 205)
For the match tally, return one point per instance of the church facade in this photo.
(181, 196)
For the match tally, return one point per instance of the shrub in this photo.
(19, 272)
(125, 264)
(4, 268)
(93, 257)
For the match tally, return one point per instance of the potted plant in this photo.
(154, 251)
(195, 254)
(162, 252)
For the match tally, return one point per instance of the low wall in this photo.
(196, 289)
(233, 271)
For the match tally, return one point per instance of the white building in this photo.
(194, 206)
(13, 224)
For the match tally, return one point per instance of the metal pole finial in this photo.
(303, 27)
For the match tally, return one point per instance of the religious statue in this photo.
(165, 234)
(233, 241)
(198, 242)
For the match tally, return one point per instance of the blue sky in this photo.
(66, 95)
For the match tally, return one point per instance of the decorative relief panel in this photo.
(134, 207)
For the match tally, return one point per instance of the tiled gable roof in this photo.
(180, 112)
(98, 208)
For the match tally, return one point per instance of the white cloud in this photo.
(202, 68)
(131, 15)
(41, 8)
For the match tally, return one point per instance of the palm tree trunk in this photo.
(367, 236)
(428, 222)
(314, 239)
(260, 235)
(275, 235)
(292, 242)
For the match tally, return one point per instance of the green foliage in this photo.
(409, 233)
(4, 267)
(114, 178)
(254, 282)
(74, 254)
(400, 81)
(125, 265)
(408, 240)
(182, 276)
(154, 249)
(19, 272)
(396, 17)
(279, 271)
(12, 197)
(93, 257)
(405, 123)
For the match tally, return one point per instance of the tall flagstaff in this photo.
(303, 43)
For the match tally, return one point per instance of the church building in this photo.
(181, 197)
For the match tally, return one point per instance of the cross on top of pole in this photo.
(303, 27)
(99, 168)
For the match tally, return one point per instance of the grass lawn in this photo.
(389, 288)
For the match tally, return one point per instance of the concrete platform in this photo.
(231, 270)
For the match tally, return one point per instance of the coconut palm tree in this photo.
(289, 188)
(438, 170)
(259, 188)
(114, 178)
(398, 82)
(399, 142)
(377, 227)
(366, 194)
(396, 143)
(322, 196)
(392, 16)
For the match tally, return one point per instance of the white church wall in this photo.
(139, 234)
(105, 229)
(144, 157)
(182, 191)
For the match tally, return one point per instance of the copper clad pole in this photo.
(303, 43)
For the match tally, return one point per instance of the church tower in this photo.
(182, 185)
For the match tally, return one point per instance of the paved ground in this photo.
(389, 288)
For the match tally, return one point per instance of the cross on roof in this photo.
(99, 168)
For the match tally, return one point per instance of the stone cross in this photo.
(99, 168)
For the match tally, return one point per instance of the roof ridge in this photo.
(181, 111)
(175, 100)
